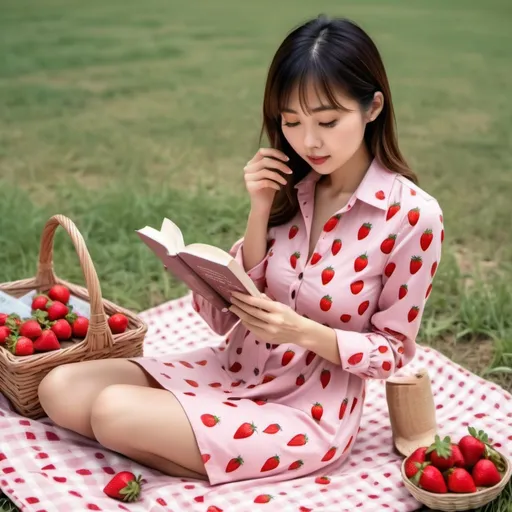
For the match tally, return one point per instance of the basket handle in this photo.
(98, 335)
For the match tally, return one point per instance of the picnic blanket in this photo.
(47, 468)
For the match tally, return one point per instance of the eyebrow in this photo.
(321, 108)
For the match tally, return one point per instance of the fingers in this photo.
(271, 152)
(247, 318)
(267, 163)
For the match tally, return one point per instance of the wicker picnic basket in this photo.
(20, 376)
(453, 501)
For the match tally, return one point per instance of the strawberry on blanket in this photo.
(124, 486)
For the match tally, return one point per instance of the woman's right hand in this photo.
(262, 179)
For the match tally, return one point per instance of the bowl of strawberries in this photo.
(456, 476)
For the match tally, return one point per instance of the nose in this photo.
(312, 139)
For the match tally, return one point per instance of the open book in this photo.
(207, 270)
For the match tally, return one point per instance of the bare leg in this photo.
(147, 424)
(68, 392)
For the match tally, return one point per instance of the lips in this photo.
(317, 160)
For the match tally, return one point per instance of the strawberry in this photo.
(287, 357)
(443, 454)
(426, 239)
(345, 318)
(270, 464)
(413, 216)
(429, 289)
(3, 318)
(46, 342)
(364, 231)
(124, 486)
(245, 430)
(325, 377)
(234, 464)
(392, 210)
(295, 465)
(417, 456)
(213, 508)
(429, 478)
(322, 480)
(363, 307)
(380, 195)
(5, 332)
(263, 498)
(390, 268)
(316, 411)
(30, 329)
(355, 358)
(62, 329)
(356, 287)
(329, 454)
(361, 262)
(300, 380)
(309, 358)
(415, 264)
(298, 440)
(205, 457)
(413, 313)
(13, 322)
(293, 259)
(40, 302)
(326, 303)
(476, 446)
(351, 437)
(80, 327)
(235, 367)
(273, 428)
(433, 269)
(315, 258)
(209, 420)
(327, 275)
(353, 406)
(20, 345)
(267, 378)
(56, 310)
(332, 222)
(442, 236)
(343, 408)
(387, 245)
(293, 231)
(59, 293)
(459, 480)
(485, 473)
(402, 291)
(118, 323)
(186, 364)
(335, 247)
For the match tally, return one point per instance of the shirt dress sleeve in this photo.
(222, 321)
(407, 282)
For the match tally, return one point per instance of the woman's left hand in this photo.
(269, 320)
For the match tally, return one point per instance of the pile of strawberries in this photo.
(52, 321)
(462, 467)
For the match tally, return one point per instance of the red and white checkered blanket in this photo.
(46, 468)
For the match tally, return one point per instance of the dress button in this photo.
(301, 275)
(293, 294)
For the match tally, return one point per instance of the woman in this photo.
(345, 243)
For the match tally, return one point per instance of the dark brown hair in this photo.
(334, 54)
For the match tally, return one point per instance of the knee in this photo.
(53, 389)
(108, 414)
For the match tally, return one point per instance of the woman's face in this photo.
(328, 137)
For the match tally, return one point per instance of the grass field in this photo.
(116, 113)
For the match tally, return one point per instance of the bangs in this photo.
(326, 86)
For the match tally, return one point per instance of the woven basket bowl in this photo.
(20, 376)
(455, 501)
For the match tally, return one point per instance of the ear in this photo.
(376, 107)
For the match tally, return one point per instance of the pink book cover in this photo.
(205, 269)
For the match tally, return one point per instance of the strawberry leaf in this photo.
(443, 448)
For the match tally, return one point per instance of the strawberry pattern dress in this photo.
(278, 412)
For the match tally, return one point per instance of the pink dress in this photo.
(281, 412)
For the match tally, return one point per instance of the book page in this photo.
(173, 235)
(224, 279)
(210, 252)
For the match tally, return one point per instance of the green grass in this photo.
(117, 113)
